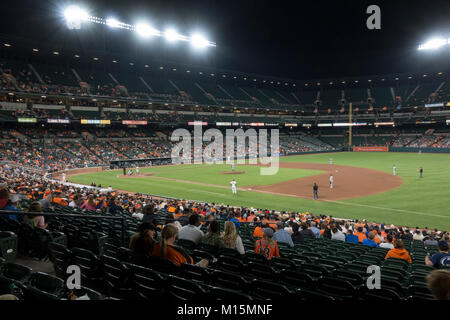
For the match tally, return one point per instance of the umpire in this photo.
(316, 191)
(421, 173)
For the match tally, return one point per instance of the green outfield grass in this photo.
(418, 202)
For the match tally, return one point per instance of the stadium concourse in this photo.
(57, 117)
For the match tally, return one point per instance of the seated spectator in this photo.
(143, 241)
(35, 221)
(297, 236)
(361, 236)
(184, 219)
(9, 202)
(350, 237)
(89, 204)
(192, 231)
(440, 259)
(388, 244)
(438, 282)
(314, 230)
(288, 228)
(282, 236)
(267, 246)
(167, 249)
(258, 231)
(307, 233)
(418, 235)
(337, 234)
(370, 241)
(234, 220)
(149, 215)
(213, 236)
(231, 239)
(399, 252)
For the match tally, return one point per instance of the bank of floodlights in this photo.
(76, 16)
(434, 44)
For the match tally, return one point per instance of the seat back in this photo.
(148, 283)
(264, 290)
(42, 286)
(184, 290)
(61, 258)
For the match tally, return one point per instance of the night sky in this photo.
(291, 39)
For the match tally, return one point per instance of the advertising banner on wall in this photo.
(370, 149)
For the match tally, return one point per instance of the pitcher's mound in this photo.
(232, 172)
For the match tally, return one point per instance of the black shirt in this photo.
(183, 220)
(316, 187)
(297, 237)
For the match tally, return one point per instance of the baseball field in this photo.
(364, 185)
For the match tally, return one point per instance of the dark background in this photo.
(291, 39)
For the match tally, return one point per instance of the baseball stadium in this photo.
(135, 173)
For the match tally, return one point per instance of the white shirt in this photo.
(331, 179)
(386, 245)
(339, 235)
(233, 184)
(190, 232)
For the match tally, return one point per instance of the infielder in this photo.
(64, 177)
(233, 186)
(331, 181)
(394, 170)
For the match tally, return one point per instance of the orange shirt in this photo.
(361, 236)
(171, 254)
(268, 250)
(258, 232)
(60, 201)
(400, 254)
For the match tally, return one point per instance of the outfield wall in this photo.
(427, 150)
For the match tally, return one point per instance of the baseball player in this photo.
(316, 191)
(421, 172)
(233, 186)
(137, 169)
(394, 170)
(331, 181)
(331, 160)
(64, 177)
(232, 167)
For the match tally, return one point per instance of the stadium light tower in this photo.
(434, 44)
(74, 15)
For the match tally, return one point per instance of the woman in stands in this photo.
(143, 241)
(213, 237)
(231, 239)
(399, 252)
(267, 246)
(35, 221)
(167, 249)
(89, 204)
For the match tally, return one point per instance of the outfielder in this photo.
(64, 177)
(331, 160)
(232, 167)
(233, 186)
(331, 181)
(394, 170)
(137, 169)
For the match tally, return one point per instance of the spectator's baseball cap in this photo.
(14, 198)
(268, 232)
(443, 245)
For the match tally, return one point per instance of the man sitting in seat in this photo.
(192, 231)
(267, 246)
(350, 237)
(282, 236)
(370, 241)
(440, 259)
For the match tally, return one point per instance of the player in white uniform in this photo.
(331, 181)
(137, 169)
(233, 186)
(331, 160)
(64, 177)
(394, 170)
(232, 167)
